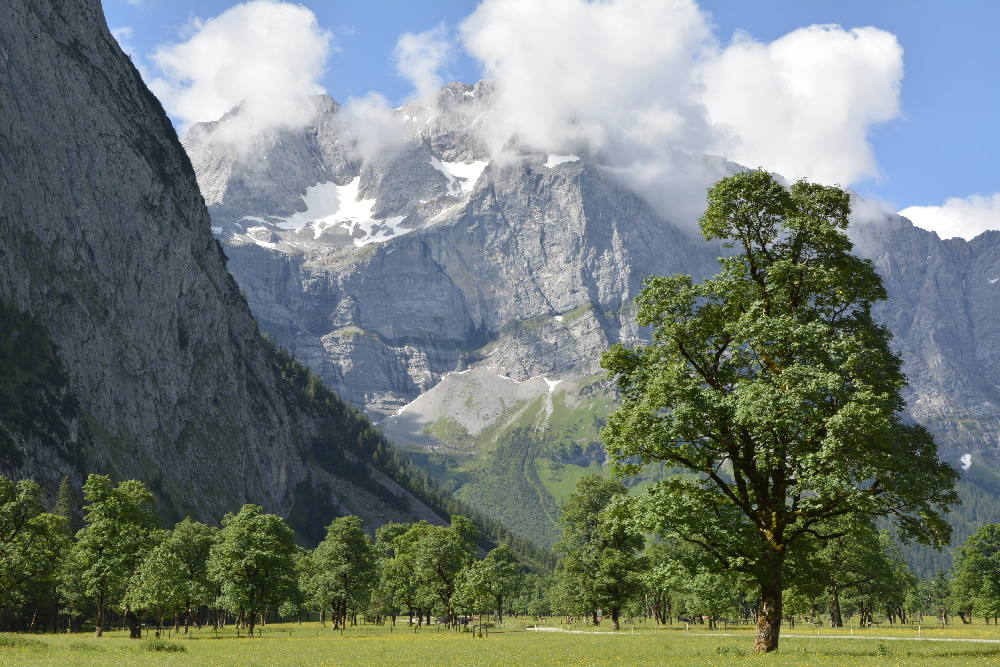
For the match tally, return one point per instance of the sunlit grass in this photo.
(637, 644)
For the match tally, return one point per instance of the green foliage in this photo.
(15, 641)
(976, 587)
(600, 554)
(191, 542)
(486, 584)
(341, 570)
(158, 586)
(162, 646)
(253, 563)
(507, 487)
(772, 383)
(118, 529)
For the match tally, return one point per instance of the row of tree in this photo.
(121, 568)
(857, 572)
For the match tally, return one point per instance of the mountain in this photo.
(125, 344)
(464, 301)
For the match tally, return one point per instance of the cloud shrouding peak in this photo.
(645, 84)
(263, 54)
(965, 218)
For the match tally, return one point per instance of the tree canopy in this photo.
(774, 385)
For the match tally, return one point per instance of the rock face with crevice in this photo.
(122, 319)
(391, 271)
(526, 266)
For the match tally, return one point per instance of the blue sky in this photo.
(941, 144)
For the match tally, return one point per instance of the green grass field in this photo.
(641, 644)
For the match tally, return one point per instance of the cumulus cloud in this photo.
(263, 55)
(577, 74)
(420, 57)
(606, 78)
(965, 218)
(803, 104)
(645, 85)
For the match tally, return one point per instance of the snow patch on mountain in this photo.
(462, 176)
(332, 207)
(966, 460)
(555, 160)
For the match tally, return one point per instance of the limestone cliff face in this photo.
(106, 253)
(386, 273)
(944, 312)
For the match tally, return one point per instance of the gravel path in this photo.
(783, 636)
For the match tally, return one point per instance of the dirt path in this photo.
(783, 636)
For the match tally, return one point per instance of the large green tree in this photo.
(773, 384)
(438, 554)
(158, 586)
(253, 562)
(33, 546)
(119, 524)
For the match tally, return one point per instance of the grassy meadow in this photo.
(638, 644)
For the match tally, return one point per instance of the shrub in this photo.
(15, 641)
(162, 646)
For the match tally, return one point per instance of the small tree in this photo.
(342, 569)
(192, 542)
(254, 563)
(437, 554)
(159, 585)
(600, 555)
(774, 386)
(977, 572)
(118, 529)
(488, 583)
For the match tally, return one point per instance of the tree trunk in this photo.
(99, 632)
(769, 616)
(499, 610)
(614, 618)
(836, 619)
(593, 615)
(132, 621)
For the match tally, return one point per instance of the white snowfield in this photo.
(462, 176)
(966, 460)
(555, 160)
(330, 206)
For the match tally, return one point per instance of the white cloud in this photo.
(263, 54)
(966, 218)
(645, 85)
(574, 73)
(802, 105)
(420, 57)
(602, 78)
(374, 128)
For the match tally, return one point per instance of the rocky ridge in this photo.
(128, 347)
(527, 265)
